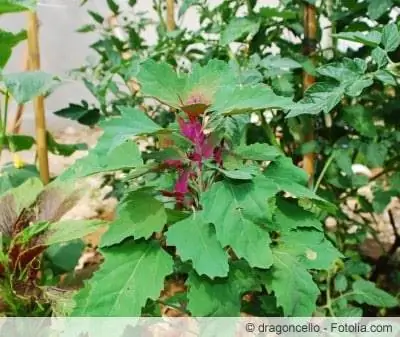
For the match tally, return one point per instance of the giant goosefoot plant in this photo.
(225, 217)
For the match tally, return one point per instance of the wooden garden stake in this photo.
(38, 103)
(171, 15)
(310, 34)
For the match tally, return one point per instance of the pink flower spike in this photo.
(182, 184)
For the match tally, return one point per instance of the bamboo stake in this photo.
(310, 34)
(38, 103)
(171, 15)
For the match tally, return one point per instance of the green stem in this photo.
(323, 172)
(328, 295)
(3, 123)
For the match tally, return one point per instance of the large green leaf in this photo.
(27, 85)
(377, 8)
(235, 99)
(132, 122)
(320, 97)
(102, 159)
(292, 284)
(257, 151)
(238, 211)
(159, 80)
(360, 118)
(390, 37)
(237, 28)
(278, 62)
(192, 92)
(372, 38)
(81, 113)
(196, 240)
(290, 178)
(367, 292)
(311, 248)
(11, 177)
(139, 215)
(7, 42)
(131, 274)
(289, 215)
(220, 297)
(68, 230)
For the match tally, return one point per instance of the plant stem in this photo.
(38, 103)
(328, 294)
(322, 174)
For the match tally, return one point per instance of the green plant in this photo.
(23, 87)
(353, 110)
(31, 231)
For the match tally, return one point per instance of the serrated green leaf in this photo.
(159, 80)
(237, 28)
(27, 85)
(372, 38)
(292, 284)
(221, 297)
(357, 87)
(196, 240)
(346, 71)
(81, 113)
(11, 177)
(289, 215)
(243, 172)
(139, 215)
(360, 118)
(320, 97)
(377, 8)
(366, 292)
(231, 100)
(186, 4)
(310, 247)
(63, 149)
(131, 274)
(132, 122)
(68, 230)
(276, 61)
(290, 178)
(385, 77)
(236, 208)
(257, 151)
(390, 37)
(102, 159)
(341, 283)
(65, 257)
(380, 57)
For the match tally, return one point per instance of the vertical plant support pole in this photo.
(309, 43)
(38, 103)
(171, 15)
